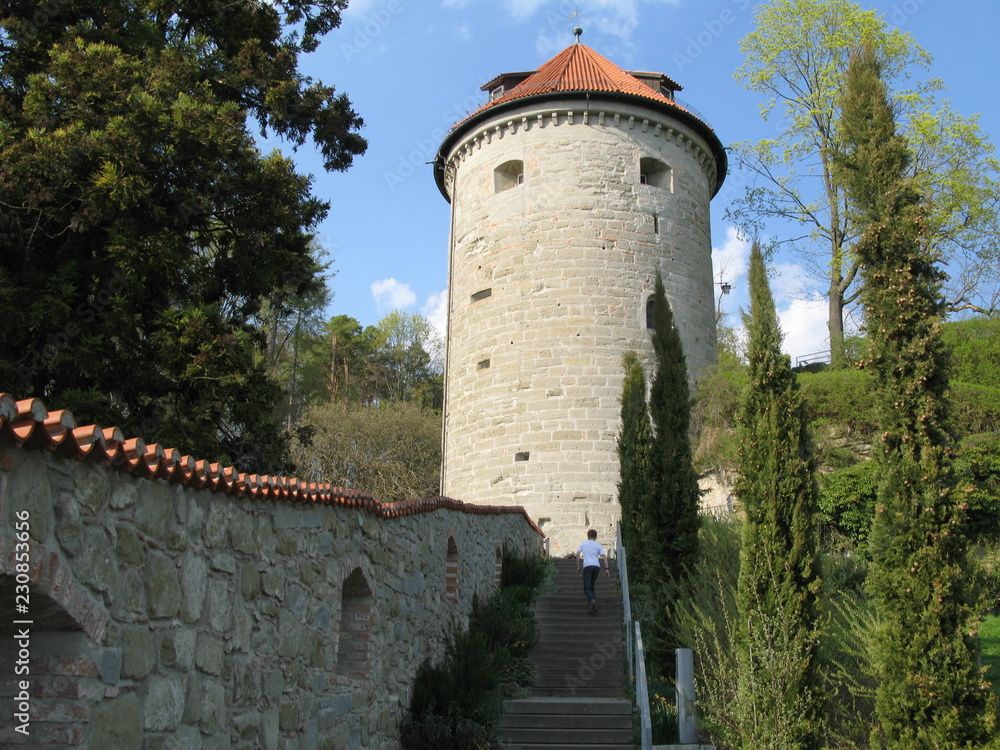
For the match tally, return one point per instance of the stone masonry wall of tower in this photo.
(550, 270)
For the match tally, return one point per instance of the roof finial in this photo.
(577, 32)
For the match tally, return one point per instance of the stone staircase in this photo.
(578, 693)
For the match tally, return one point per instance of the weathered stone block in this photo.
(154, 513)
(214, 712)
(163, 588)
(220, 604)
(249, 580)
(209, 652)
(246, 680)
(177, 648)
(117, 723)
(138, 652)
(96, 564)
(241, 531)
(269, 731)
(215, 525)
(288, 516)
(194, 585)
(163, 705)
(193, 700)
(288, 716)
(130, 548)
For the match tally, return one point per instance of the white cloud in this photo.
(729, 262)
(435, 309)
(614, 19)
(390, 295)
(803, 323)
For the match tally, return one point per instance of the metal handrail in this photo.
(636, 655)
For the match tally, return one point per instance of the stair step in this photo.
(580, 677)
(577, 737)
(568, 706)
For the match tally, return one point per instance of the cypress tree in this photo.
(931, 694)
(778, 705)
(674, 493)
(633, 460)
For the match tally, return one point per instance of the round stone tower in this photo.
(569, 189)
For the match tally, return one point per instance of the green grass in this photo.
(989, 637)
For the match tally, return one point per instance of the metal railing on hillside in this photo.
(635, 652)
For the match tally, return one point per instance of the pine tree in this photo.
(674, 492)
(633, 460)
(778, 705)
(931, 693)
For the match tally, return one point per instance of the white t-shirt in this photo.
(592, 552)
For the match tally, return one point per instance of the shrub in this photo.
(842, 397)
(847, 504)
(977, 468)
(974, 408)
(456, 704)
(714, 415)
(975, 349)
(524, 571)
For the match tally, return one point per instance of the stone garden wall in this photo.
(244, 614)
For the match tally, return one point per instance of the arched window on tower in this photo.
(508, 175)
(654, 172)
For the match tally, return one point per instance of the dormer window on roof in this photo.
(504, 82)
(660, 83)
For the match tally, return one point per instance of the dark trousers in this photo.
(589, 579)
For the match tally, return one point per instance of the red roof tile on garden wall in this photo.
(32, 426)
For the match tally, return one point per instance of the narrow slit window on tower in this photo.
(508, 175)
(650, 312)
(654, 172)
(482, 294)
(656, 224)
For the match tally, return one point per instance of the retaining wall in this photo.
(163, 615)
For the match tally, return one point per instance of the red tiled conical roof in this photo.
(579, 68)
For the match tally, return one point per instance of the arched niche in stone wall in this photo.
(355, 626)
(498, 566)
(451, 571)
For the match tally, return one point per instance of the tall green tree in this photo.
(633, 460)
(142, 228)
(778, 631)
(931, 693)
(796, 57)
(672, 510)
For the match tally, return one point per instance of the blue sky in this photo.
(413, 69)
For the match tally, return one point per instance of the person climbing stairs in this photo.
(578, 695)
